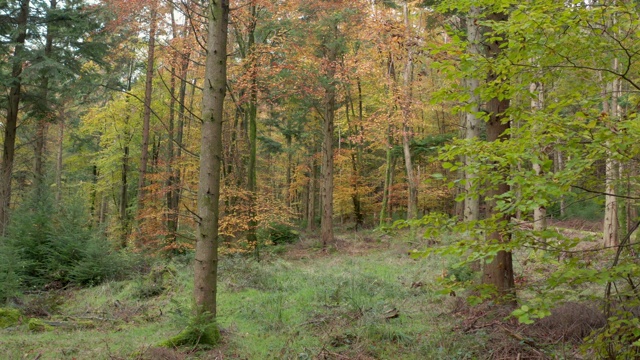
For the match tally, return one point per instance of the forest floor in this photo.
(365, 298)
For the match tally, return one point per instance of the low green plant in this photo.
(9, 317)
(278, 234)
(202, 331)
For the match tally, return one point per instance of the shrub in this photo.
(47, 245)
(278, 234)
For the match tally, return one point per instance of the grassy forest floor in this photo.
(364, 299)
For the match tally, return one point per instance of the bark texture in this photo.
(214, 91)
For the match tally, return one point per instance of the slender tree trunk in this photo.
(214, 90)
(386, 190)
(499, 272)
(327, 147)
(10, 126)
(253, 132)
(289, 139)
(412, 205)
(472, 125)
(148, 89)
(175, 136)
(124, 198)
(59, 158)
(537, 102)
(311, 207)
(355, 156)
(611, 224)
(46, 117)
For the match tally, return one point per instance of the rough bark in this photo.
(214, 90)
(11, 124)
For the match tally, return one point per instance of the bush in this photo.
(55, 245)
(278, 234)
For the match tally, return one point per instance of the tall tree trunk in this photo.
(124, 198)
(214, 90)
(611, 224)
(355, 162)
(174, 146)
(15, 95)
(329, 103)
(146, 119)
(59, 157)
(537, 102)
(43, 121)
(311, 205)
(412, 205)
(386, 190)
(253, 138)
(472, 124)
(499, 272)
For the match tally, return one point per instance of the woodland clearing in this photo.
(366, 298)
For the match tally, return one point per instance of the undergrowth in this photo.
(379, 304)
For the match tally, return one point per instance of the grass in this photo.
(367, 300)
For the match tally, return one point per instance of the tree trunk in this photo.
(412, 204)
(311, 206)
(46, 116)
(327, 146)
(499, 272)
(472, 125)
(59, 158)
(386, 190)
(124, 198)
(175, 136)
(146, 119)
(611, 225)
(9, 145)
(253, 139)
(214, 90)
(537, 102)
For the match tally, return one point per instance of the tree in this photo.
(406, 100)
(148, 89)
(214, 90)
(471, 126)
(499, 271)
(15, 95)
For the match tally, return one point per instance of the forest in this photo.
(320, 179)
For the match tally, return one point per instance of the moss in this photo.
(37, 325)
(201, 335)
(9, 317)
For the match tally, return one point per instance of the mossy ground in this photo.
(366, 300)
